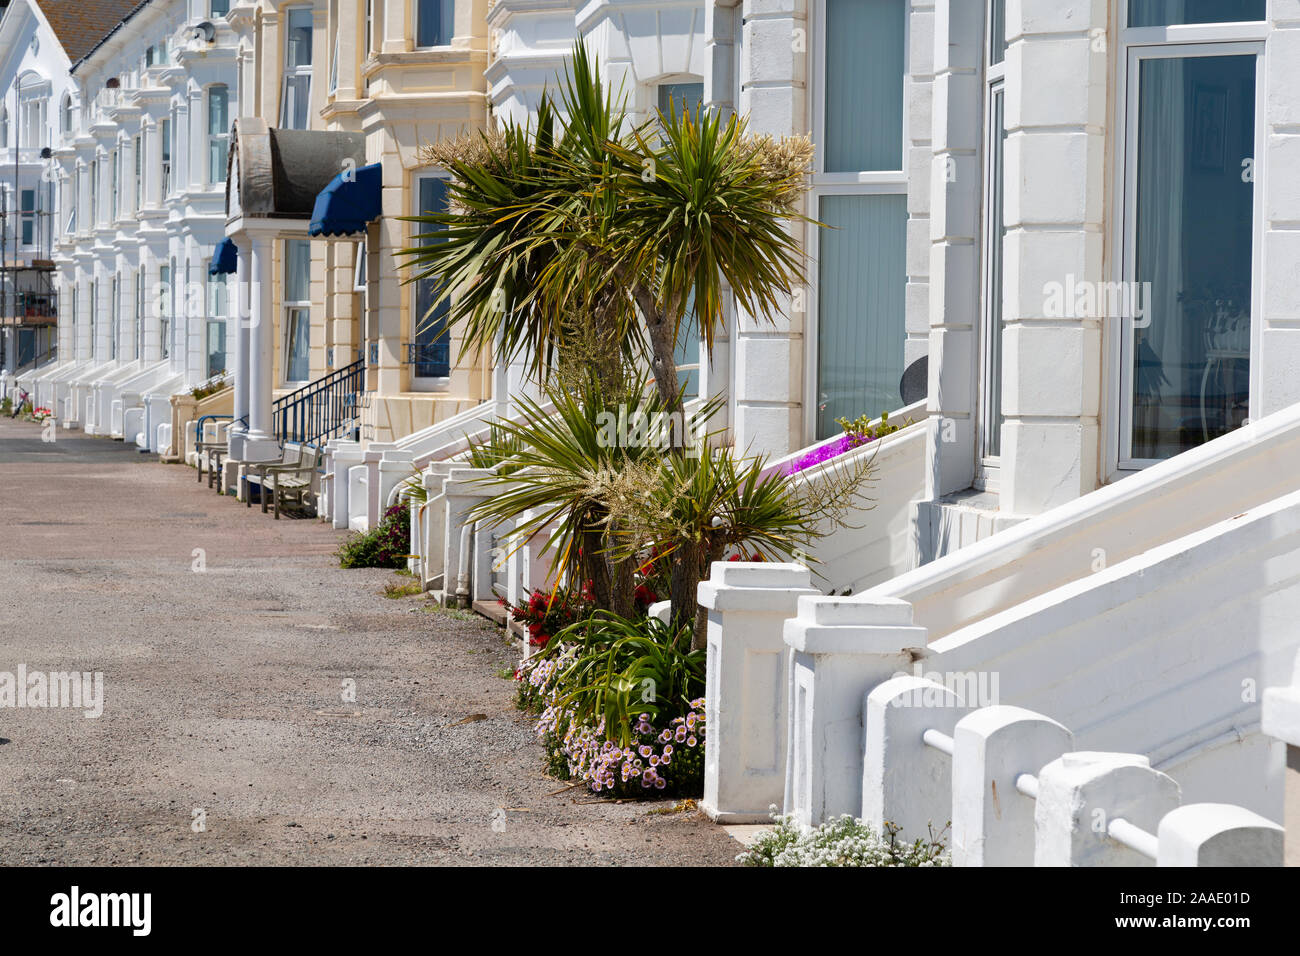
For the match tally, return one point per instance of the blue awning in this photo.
(225, 258)
(351, 200)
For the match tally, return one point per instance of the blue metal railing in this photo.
(321, 410)
(204, 419)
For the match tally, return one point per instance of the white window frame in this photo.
(863, 183)
(286, 71)
(1135, 45)
(987, 466)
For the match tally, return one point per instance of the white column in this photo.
(260, 444)
(746, 694)
(954, 288)
(1057, 172)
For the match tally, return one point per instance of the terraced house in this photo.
(344, 95)
(1054, 239)
(35, 41)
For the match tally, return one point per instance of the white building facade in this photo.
(34, 81)
(141, 151)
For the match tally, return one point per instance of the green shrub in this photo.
(385, 546)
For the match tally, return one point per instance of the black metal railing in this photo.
(429, 359)
(321, 410)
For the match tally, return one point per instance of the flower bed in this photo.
(665, 759)
(857, 433)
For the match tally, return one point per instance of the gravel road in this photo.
(225, 640)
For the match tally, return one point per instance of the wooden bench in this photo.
(285, 481)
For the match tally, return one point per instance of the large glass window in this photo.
(115, 314)
(94, 193)
(1159, 13)
(27, 198)
(431, 345)
(137, 193)
(862, 274)
(864, 44)
(112, 186)
(218, 133)
(435, 20)
(219, 8)
(163, 301)
(165, 136)
(297, 313)
(1189, 247)
(139, 311)
(860, 192)
(296, 98)
(215, 344)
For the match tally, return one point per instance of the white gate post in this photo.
(906, 781)
(1081, 794)
(1218, 834)
(993, 823)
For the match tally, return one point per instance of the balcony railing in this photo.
(321, 410)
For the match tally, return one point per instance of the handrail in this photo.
(321, 409)
(1118, 829)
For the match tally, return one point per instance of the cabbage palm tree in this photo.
(621, 227)
(580, 218)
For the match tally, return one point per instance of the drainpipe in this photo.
(462, 571)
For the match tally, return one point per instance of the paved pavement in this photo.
(226, 640)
